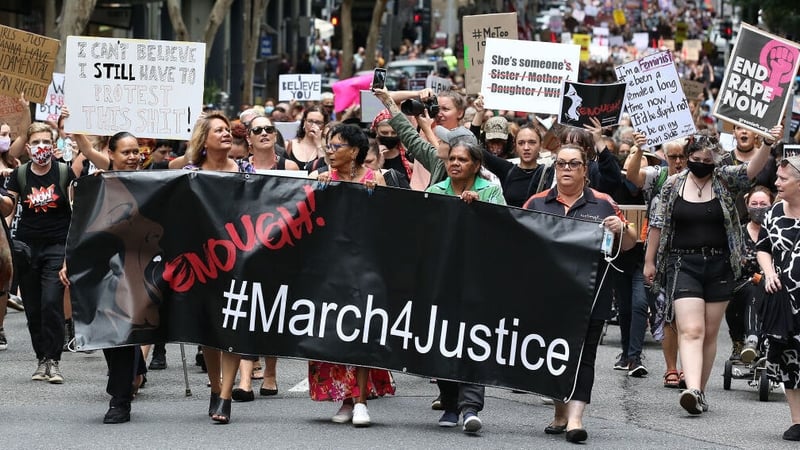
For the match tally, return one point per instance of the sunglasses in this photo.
(677, 157)
(258, 130)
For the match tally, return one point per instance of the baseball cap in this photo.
(496, 128)
(793, 161)
(451, 136)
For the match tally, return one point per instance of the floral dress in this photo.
(336, 382)
(779, 237)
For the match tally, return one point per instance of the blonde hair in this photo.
(39, 127)
(195, 148)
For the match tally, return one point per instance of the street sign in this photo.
(266, 46)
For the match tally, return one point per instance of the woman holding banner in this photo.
(572, 197)
(208, 149)
(352, 385)
(698, 255)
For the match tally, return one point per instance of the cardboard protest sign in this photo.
(50, 109)
(15, 114)
(27, 61)
(477, 29)
(300, 87)
(692, 89)
(757, 83)
(691, 49)
(150, 88)
(530, 83)
(582, 101)
(438, 84)
(655, 100)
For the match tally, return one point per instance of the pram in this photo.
(755, 373)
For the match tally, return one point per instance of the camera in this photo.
(415, 107)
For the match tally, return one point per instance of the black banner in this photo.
(582, 101)
(399, 279)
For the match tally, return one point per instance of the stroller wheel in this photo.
(727, 375)
(763, 386)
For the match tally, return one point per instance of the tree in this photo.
(253, 13)
(374, 32)
(176, 19)
(215, 18)
(779, 16)
(75, 15)
(346, 62)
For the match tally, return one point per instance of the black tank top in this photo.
(697, 225)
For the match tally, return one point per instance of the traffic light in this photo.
(335, 19)
(417, 16)
(726, 29)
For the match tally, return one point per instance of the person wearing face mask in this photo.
(43, 224)
(698, 256)
(7, 162)
(395, 156)
(742, 313)
(746, 142)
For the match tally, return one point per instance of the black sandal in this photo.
(223, 413)
(213, 404)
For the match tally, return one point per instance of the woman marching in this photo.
(698, 256)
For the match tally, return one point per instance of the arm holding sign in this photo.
(99, 158)
(759, 160)
(635, 174)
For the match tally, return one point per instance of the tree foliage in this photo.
(779, 17)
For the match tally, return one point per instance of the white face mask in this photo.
(41, 154)
(5, 143)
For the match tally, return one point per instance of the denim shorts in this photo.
(709, 277)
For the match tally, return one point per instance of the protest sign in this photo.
(691, 49)
(655, 100)
(582, 101)
(50, 109)
(757, 85)
(530, 83)
(300, 87)
(641, 40)
(692, 89)
(13, 112)
(370, 106)
(264, 275)
(582, 40)
(150, 88)
(477, 29)
(27, 61)
(438, 84)
(288, 130)
(619, 17)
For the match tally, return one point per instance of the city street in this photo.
(625, 413)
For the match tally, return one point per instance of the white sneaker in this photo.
(361, 415)
(345, 414)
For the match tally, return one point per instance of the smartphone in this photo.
(379, 79)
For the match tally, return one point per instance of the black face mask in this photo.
(389, 141)
(757, 214)
(700, 170)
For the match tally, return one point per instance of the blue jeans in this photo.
(633, 311)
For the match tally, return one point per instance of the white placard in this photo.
(149, 88)
(655, 100)
(370, 106)
(300, 87)
(287, 129)
(438, 84)
(641, 40)
(578, 15)
(600, 35)
(527, 75)
(615, 41)
(53, 101)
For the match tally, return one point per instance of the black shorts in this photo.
(707, 277)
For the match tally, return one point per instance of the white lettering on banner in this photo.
(532, 351)
(745, 88)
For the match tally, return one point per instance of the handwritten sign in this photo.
(477, 30)
(147, 87)
(527, 75)
(757, 85)
(50, 109)
(27, 61)
(300, 87)
(691, 49)
(583, 41)
(655, 100)
(692, 89)
(438, 84)
(15, 114)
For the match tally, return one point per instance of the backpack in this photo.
(22, 176)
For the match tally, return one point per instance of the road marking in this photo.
(301, 386)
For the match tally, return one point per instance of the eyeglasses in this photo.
(573, 165)
(315, 122)
(677, 157)
(333, 148)
(258, 130)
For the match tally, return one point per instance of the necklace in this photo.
(699, 188)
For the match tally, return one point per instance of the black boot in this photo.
(159, 361)
(118, 412)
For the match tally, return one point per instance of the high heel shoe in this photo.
(223, 412)
(213, 404)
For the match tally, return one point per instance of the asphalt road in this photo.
(634, 413)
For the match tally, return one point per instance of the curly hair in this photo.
(354, 137)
